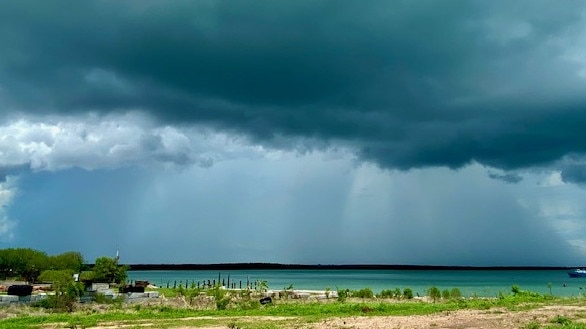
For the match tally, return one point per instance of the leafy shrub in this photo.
(434, 293)
(455, 293)
(64, 302)
(53, 276)
(363, 293)
(387, 294)
(408, 293)
(66, 290)
(342, 294)
(398, 293)
(518, 292)
(445, 294)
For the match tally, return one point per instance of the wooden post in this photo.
(175, 284)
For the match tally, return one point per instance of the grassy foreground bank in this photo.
(203, 310)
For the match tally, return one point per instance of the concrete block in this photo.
(36, 298)
(99, 287)
(107, 292)
(24, 299)
(8, 299)
(134, 295)
(152, 294)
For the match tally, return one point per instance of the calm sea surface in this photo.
(470, 282)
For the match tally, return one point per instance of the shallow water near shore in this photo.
(481, 283)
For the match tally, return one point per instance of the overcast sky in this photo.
(332, 132)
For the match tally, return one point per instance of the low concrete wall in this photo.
(87, 298)
(10, 299)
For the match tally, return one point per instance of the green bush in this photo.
(387, 294)
(445, 294)
(363, 293)
(455, 293)
(518, 292)
(342, 294)
(434, 293)
(408, 293)
(55, 276)
(66, 290)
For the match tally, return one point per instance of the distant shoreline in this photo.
(274, 266)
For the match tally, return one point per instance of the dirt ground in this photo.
(478, 319)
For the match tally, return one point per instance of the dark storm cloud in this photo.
(506, 177)
(574, 174)
(407, 84)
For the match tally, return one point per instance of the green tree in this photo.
(22, 263)
(67, 291)
(70, 260)
(107, 269)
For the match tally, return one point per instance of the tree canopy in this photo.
(107, 269)
(28, 264)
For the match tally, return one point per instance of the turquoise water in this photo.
(470, 282)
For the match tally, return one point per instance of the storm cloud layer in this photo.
(492, 91)
(406, 84)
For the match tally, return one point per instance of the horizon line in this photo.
(268, 266)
